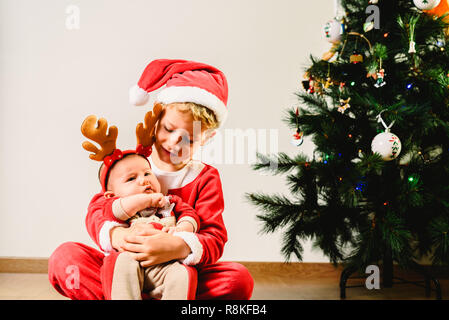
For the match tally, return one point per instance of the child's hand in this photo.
(156, 200)
(118, 237)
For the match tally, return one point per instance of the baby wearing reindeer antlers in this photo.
(134, 196)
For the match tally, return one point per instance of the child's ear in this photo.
(109, 194)
(207, 136)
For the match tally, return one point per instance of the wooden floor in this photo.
(35, 286)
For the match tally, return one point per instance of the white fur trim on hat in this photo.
(195, 95)
(138, 96)
(195, 245)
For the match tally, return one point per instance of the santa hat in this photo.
(185, 81)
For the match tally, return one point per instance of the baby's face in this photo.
(132, 175)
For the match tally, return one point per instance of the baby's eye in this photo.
(147, 174)
(130, 179)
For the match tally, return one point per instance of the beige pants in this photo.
(167, 281)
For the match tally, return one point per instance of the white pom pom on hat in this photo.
(185, 81)
(138, 96)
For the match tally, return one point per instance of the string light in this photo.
(361, 185)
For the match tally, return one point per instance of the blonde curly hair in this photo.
(199, 113)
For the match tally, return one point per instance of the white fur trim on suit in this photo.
(195, 245)
(104, 237)
(196, 95)
(138, 96)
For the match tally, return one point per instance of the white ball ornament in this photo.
(426, 4)
(333, 29)
(386, 144)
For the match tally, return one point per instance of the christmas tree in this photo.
(376, 107)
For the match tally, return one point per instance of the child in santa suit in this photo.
(193, 92)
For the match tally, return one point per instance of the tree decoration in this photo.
(333, 30)
(298, 137)
(386, 144)
(375, 68)
(426, 4)
(441, 11)
(356, 57)
(380, 77)
(410, 27)
(356, 34)
(344, 104)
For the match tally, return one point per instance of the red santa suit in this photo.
(199, 185)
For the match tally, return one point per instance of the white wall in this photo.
(52, 78)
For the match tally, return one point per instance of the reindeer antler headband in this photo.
(108, 152)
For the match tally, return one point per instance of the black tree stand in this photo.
(387, 278)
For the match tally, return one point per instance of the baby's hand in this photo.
(181, 226)
(156, 200)
(169, 230)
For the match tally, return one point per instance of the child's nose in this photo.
(175, 138)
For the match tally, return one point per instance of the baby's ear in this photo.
(109, 194)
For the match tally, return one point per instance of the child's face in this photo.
(132, 175)
(176, 140)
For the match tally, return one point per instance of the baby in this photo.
(138, 198)
(133, 194)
